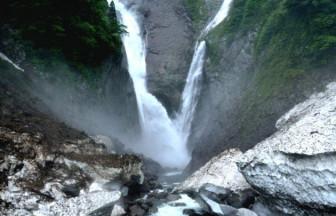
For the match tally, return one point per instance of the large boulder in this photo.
(221, 171)
(295, 168)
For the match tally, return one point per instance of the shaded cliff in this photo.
(170, 40)
(266, 57)
(83, 81)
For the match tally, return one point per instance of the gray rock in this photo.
(245, 212)
(169, 49)
(228, 210)
(118, 210)
(262, 210)
(295, 168)
(215, 193)
(173, 197)
(136, 210)
(220, 171)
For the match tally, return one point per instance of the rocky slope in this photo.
(289, 173)
(49, 168)
(44, 163)
(260, 63)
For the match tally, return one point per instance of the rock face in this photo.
(295, 169)
(170, 42)
(221, 171)
(242, 95)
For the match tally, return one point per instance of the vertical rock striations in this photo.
(170, 42)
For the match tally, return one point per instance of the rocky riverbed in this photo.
(48, 168)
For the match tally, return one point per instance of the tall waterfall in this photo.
(160, 138)
(193, 84)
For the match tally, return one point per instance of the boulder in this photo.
(215, 193)
(220, 171)
(245, 212)
(118, 210)
(294, 169)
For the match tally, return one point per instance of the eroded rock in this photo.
(295, 168)
(221, 171)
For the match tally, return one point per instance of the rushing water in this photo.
(191, 92)
(192, 88)
(160, 139)
(219, 17)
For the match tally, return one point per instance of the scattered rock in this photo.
(245, 212)
(136, 210)
(228, 210)
(118, 210)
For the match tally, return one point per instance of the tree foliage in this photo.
(85, 31)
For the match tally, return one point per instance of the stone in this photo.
(118, 210)
(136, 210)
(245, 212)
(228, 210)
(106, 141)
(215, 193)
(294, 169)
(71, 190)
(262, 210)
(244, 199)
(221, 171)
(167, 68)
(173, 197)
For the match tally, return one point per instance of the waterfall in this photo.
(219, 17)
(160, 139)
(191, 91)
(192, 88)
(5, 58)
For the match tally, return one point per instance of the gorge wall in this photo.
(170, 40)
(266, 57)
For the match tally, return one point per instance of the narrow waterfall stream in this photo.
(5, 58)
(160, 138)
(192, 88)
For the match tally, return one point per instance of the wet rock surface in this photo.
(169, 48)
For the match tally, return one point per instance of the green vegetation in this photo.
(293, 37)
(197, 11)
(293, 49)
(84, 31)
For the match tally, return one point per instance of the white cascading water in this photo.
(191, 92)
(220, 16)
(5, 58)
(192, 88)
(160, 139)
(163, 140)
